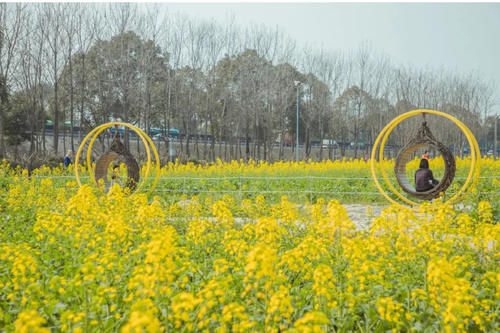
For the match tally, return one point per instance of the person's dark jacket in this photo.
(424, 180)
(67, 161)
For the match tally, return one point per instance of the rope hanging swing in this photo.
(117, 149)
(423, 139)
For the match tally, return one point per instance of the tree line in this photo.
(76, 66)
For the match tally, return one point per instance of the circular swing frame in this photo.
(117, 149)
(423, 139)
(382, 139)
(148, 144)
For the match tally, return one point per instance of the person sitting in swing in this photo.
(424, 180)
(115, 176)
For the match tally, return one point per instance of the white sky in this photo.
(457, 36)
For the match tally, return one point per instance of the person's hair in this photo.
(69, 152)
(424, 164)
(116, 166)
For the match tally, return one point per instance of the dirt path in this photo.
(359, 216)
(357, 213)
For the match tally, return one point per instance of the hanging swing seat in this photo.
(424, 138)
(117, 150)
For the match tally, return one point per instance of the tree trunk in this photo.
(307, 143)
(32, 126)
(80, 137)
(321, 138)
(64, 138)
(126, 120)
(247, 139)
(44, 147)
(356, 141)
(71, 98)
(196, 141)
(212, 141)
(265, 145)
(56, 106)
(205, 150)
(138, 146)
(3, 103)
(188, 139)
(282, 137)
(225, 149)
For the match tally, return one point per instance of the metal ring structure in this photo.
(382, 139)
(91, 144)
(148, 144)
(143, 138)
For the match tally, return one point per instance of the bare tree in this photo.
(214, 42)
(12, 22)
(89, 26)
(30, 80)
(55, 42)
(92, 63)
(121, 25)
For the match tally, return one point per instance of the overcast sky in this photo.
(457, 36)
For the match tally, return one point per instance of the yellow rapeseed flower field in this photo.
(78, 260)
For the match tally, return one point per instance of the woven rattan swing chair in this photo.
(423, 139)
(117, 150)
